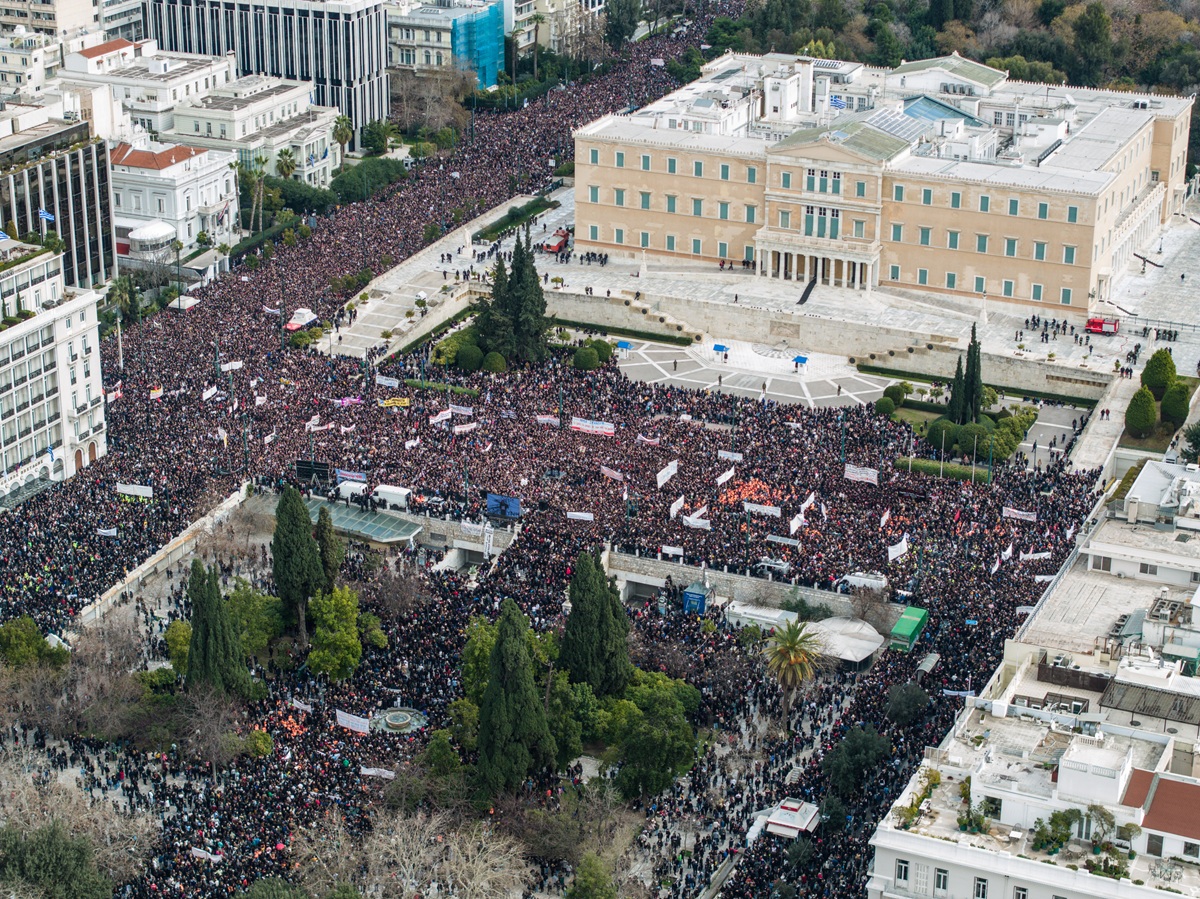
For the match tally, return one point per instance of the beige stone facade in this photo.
(911, 192)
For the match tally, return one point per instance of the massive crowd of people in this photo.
(210, 430)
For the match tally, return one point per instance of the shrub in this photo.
(494, 362)
(939, 427)
(446, 350)
(469, 358)
(972, 439)
(1140, 416)
(586, 358)
(896, 394)
(1175, 403)
(884, 406)
(603, 349)
(1159, 373)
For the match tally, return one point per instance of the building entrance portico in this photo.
(848, 269)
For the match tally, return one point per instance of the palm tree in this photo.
(537, 19)
(794, 655)
(343, 131)
(124, 295)
(285, 163)
(260, 184)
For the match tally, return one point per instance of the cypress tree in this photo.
(594, 649)
(331, 547)
(215, 653)
(974, 379)
(514, 739)
(495, 320)
(296, 558)
(955, 410)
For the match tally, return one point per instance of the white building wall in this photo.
(40, 407)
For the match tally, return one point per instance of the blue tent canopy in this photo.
(720, 348)
(800, 360)
(624, 345)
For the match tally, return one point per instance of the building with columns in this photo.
(938, 176)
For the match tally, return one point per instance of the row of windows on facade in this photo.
(829, 181)
(672, 244)
(1037, 292)
(408, 34)
(985, 203)
(821, 221)
(408, 57)
(941, 882)
(1104, 563)
(33, 397)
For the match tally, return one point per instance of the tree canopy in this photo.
(336, 647)
(295, 558)
(594, 648)
(514, 740)
(513, 322)
(214, 655)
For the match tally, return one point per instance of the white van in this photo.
(347, 489)
(392, 497)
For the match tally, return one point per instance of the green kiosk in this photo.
(908, 628)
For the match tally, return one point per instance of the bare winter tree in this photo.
(869, 605)
(32, 798)
(100, 691)
(327, 855)
(481, 863)
(210, 719)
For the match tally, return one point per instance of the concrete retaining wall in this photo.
(932, 354)
(179, 548)
(653, 571)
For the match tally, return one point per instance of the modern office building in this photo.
(54, 18)
(51, 400)
(190, 190)
(462, 33)
(146, 81)
(56, 167)
(122, 18)
(259, 118)
(340, 46)
(939, 177)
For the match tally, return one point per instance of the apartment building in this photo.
(259, 118)
(193, 190)
(449, 33)
(53, 18)
(937, 177)
(339, 46)
(51, 400)
(29, 59)
(145, 81)
(122, 18)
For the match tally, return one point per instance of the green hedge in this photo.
(925, 406)
(435, 333)
(417, 384)
(949, 469)
(445, 352)
(868, 369)
(516, 215)
(624, 332)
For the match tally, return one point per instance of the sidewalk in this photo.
(1101, 435)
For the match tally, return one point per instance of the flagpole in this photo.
(942, 458)
(120, 346)
(974, 452)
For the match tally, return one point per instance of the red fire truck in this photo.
(1103, 326)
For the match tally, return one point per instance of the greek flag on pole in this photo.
(867, 475)
(837, 102)
(45, 216)
(4, 236)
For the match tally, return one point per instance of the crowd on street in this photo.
(710, 479)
